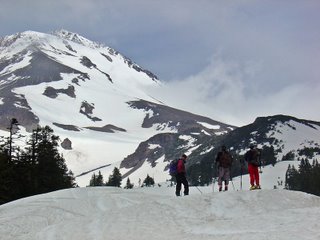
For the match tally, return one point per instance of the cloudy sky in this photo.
(230, 60)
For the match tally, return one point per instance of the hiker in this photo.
(181, 176)
(224, 162)
(252, 157)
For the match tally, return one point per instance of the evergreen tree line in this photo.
(306, 178)
(115, 180)
(38, 168)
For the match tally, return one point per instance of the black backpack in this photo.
(253, 157)
(225, 159)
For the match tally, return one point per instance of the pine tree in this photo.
(51, 170)
(129, 185)
(38, 169)
(115, 178)
(6, 178)
(148, 181)
(93, 180)
(306, 179)
(96, 180)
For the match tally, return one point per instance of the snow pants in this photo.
(181, 179)
(224, 175)
(254, 174)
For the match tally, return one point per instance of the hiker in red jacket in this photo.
(181, 176)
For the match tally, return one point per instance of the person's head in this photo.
(251, 146)
(224, 148)
(184, 156)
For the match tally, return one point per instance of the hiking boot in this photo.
(252, 187)
(257, 187)
(226, 188)
(220, 189)
(178, 194)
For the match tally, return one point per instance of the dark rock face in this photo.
(41, 69)
(161, 144)
(109, 128)
(66, 144)
(107, 57)
(67, 127)
(181, 120)
(87, 62)
(16, 106)
(87, 110)
(139, 69)
(53, 93)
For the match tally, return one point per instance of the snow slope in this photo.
(155, 213)
(109, 98)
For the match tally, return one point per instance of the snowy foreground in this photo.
(105, 213)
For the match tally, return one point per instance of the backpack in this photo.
(173, 167)
(225, 160)
(254, 157)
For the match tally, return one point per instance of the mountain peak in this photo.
(76, 38)
(33, 37)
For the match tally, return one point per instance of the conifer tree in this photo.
(306, 179)
(51, 170)
(115, 178)
(129, 185)
(96, 180)
(38, 169)
(6, 178)
(148, 181)
(93, 180)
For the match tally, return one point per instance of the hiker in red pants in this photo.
(253, 158)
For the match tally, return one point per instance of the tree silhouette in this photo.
(96, 180)
(38, 169)
(306, 178)
(129, 185)
(148, 181)
(115, 178)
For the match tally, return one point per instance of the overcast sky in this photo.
(230, 60)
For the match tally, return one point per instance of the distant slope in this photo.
(280, 137)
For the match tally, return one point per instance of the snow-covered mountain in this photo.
(281, 138)
(155, 213)
(98, 102)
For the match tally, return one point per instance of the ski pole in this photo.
(198, 189)
(241, 172)
(213, 182)
(232, 185)
(241, 179)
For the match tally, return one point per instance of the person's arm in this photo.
(218, 157)
(246, 157)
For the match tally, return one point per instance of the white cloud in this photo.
(231, 92)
